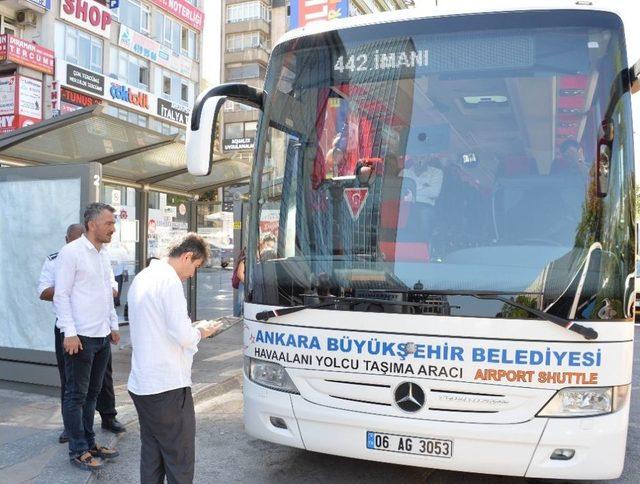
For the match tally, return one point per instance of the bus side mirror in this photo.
(603, 158)
(201, 126)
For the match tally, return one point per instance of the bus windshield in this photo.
(422, 160)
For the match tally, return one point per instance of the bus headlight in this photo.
(583, 402)
(268, 374)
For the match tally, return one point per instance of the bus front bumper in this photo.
(522, 449)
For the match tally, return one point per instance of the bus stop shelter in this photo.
(50, 171)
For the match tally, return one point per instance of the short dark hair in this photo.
(93, 211)
(193, 243)
(570, 143)
(267, 237)
(73, 227)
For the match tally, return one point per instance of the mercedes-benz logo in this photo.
(409, 397)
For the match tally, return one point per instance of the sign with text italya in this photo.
(173, 112)
(505, 362)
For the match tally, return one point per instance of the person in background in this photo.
(237, 281)
(571, 161)
(46, 290)
(267, 242)
(83, 300)
(164, 341)
(121, 276)
(428, 181)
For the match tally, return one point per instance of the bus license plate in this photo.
(409, 445)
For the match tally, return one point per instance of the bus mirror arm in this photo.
(202, 123)
(634, 74)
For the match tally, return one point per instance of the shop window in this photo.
(234, 130)
(166, 85)
(8, 26)
(184, 93)
(129, 68)
(246, 71)
(79, 47)
(133, 14)
(241, 12)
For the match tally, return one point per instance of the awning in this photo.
(130, 154)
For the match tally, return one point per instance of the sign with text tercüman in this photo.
(85, 80)
(26, 53)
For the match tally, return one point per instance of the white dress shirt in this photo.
(47, 273)
(162, 338)
(83, 296)
(428, 183)
(47, 277)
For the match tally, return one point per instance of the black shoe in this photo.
(112, 425)
(63, 438)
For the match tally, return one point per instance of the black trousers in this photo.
(167, 436)
(120, 281)
(106, 403)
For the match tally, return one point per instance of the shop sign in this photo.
(173, 112)
(184, 11)
(89, 15)
(46, 4)
(153, 51)
(104, 88)
(85, 80)
(129, 96)
(7, 95)
(30, 101)
(72, 100)
(25, 53)
(304, 12)
(21, 106)
(233, 144)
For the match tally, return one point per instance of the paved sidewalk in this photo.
(30, 419)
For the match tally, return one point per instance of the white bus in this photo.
(441, 238)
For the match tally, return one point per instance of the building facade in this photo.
(250, 29)
(140, 59)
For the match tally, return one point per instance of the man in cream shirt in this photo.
(164, 341)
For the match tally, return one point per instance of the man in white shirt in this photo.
(83, 302)
(164, 342)
(428, 180)
(46, 284)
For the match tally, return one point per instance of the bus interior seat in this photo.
(396, 241)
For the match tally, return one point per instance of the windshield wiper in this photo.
(333, 300)
(584, 331)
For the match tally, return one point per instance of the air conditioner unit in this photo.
(26, 18)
